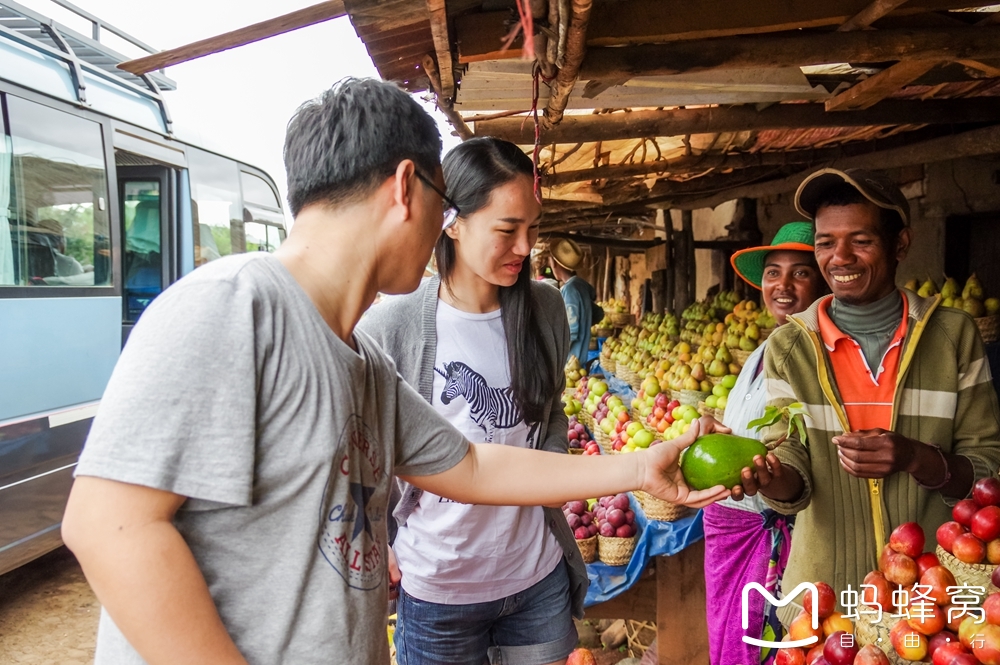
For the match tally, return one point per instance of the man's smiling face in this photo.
(857, 262)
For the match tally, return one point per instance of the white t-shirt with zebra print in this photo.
(457, 554)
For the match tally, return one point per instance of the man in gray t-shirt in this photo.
(231, 501)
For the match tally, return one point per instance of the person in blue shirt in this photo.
(578, 294)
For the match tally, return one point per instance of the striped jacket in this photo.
(944, 396)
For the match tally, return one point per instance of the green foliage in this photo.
(794, 415)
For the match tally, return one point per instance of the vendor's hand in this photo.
(874, 453)
(662, 475)
(394, 576)
(764, 471)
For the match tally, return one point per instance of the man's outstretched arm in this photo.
(144, 573)
(503, 475)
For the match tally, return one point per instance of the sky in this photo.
(238, 102)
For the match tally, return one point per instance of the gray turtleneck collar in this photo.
(872, 326)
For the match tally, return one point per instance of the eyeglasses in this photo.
(451, 212)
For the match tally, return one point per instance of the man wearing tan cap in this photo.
(578, 295)
(902, 416)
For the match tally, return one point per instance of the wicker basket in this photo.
(989, 327)
(616, 551)
(621, 319)
(715, 380)
(675, 395)
(575, 451)
(603, 332)
(765, 333)
(973, 574)
(587, 420)
(692, 397)
(878, 633)
(588, 549)
(658, 509)
(641, 635)
(740, 356)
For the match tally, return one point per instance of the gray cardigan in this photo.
(405, 327)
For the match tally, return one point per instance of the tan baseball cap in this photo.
(875, 187)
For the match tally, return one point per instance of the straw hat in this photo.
(567, 254)
(749, 263)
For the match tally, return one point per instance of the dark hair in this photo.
(890, 223)
(471, 172)
(341, 146)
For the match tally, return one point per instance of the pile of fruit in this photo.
(573, 371)
(969, 299)
(720, 393)
(631, 435)
(974, 535)
(614, 517)
(744, 325)
(580, 519)
(835, 643)
(577, 434)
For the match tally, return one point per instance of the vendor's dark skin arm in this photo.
(877, 453)
(770, 478)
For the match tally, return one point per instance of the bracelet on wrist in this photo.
(947, 471)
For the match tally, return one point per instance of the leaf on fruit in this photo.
(794, 415)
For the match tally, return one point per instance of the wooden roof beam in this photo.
(461, 129)
(791, 50)
(318, 13)
(438, 16)
(715, 119)
(870, 14)
(876, 88)
(576, 49)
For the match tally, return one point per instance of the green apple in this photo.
(632, 428)
(615, 401)
(729, 381)
(723, 401)
(627, 448)
(711, 400)
(677, 413)
(600, 387)
(690, 415)
(642, 438)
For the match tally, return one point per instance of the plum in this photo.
(621, 502)
(581, 533)
(574, 521)
(616, 518)
(606, 530)
(593, 529)
(629, 517)
(625, 531)
(586, 519)
(577, 507)
(580, 429)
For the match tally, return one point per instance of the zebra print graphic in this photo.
(492, 408)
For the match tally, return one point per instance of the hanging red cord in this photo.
(528, 28)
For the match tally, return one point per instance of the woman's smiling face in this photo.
(791, 282)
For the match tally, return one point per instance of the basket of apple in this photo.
(634, 436)
(969, 546)
(581, 521)
(662, 415)
(616, 529)
(578, 436)
(834, 635)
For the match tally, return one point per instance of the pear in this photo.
(973, 288)
(974, 307)
(992, 305)
(734, 368)
(747, 344)
(698, 372)
(732, 341)
(912, 285)
(948, 302)
(949, 289)
(705, 387)
(718, 368)
(927, 289)
(753, 332)
(691, 383)
(958, 303)
(724, 355)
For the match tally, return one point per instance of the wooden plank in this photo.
(681, 626)
(479, 37)
(679, 122)
(461, 129)
(870, 14)
(649, 21)
(318, 13)
(442, 46)
(638, 602)
(876, 88)
(791, 50)
(576, 49)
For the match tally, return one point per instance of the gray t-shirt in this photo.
(234, 392)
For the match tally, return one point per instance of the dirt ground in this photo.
(48, 614)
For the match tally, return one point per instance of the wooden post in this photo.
(681, 628)
(671, 276)
(608, 272)
(692, 272)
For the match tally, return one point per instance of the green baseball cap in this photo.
(749, 263)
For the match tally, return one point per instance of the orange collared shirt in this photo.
(867, 394)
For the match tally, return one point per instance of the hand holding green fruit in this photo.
(661, 472)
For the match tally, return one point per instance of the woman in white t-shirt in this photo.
(484, 343)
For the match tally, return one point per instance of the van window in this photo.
(216, 207)
(54, 193)
(143, 277)
(256, 190)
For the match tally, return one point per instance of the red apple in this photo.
(926, 561)
(938, 579)
(991, 607)
(792, 656)
(947, 533)
(968, 629)
(908, 539)
(986, 523)
(837, 622)
(963, 512)
(969, 549)
(900, 569)
(964, 659)
(944, 654)
(908, 643)
(883, 555)
(871, 655)
(581, 657)
(802, 628)
(993, 551)
(986, 645)
(840, 648)
(881, 596)
(995, 577)
(815, 655)
(941, 639)
(827, 600)
(986, 492)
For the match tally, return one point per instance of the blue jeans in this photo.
(532, 627)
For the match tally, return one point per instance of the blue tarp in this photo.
(655, 539)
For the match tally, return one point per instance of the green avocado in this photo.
(718, 459)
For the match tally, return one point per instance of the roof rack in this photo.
(81, 53)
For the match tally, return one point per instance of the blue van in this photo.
(101, 208)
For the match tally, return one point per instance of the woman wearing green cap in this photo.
(745, 541)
